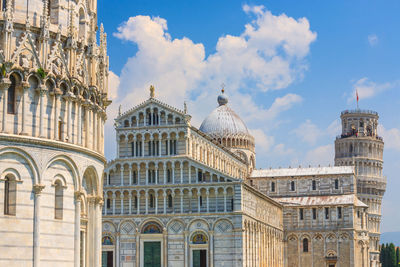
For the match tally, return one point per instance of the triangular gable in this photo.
(148, 102)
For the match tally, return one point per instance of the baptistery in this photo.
(53, 91)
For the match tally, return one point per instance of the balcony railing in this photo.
(359, 111)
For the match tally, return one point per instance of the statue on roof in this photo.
(152, 94)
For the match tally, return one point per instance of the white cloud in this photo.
(308, 132)
(264, 142)
(367, 88)
(373, 39)
(391, 137)
(268, 55)
(322, 155)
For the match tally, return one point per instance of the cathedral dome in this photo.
(223, 122)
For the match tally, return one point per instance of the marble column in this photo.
(79, 121)
(25, 88)
(57, 105)
(37, 189)
(113, 203)
(42, 92)
(181, 193)
(130, 175)
(156, 200)
(117, 251)
(181, 165)
(146, 196)
(122, 175)
(165, 202)
(5, 84)
(77, 229)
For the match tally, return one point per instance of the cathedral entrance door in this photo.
(152, 254)
(107, 259)
(199, 258)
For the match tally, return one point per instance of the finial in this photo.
(222, 98)
(152, 91)
(184, 107)
(119, 110)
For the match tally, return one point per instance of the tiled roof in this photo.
(350, 199)
(302, 171)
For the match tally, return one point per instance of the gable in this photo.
(151, 110)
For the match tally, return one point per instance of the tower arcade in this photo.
(360, 146)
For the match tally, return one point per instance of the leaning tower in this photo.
(53, 98)
(360, 146)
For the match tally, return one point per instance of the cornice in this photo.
(32, 141)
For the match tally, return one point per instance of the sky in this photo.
(289, 69)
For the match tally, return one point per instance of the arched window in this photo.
(314, 185)
(11, 96)
(336, 183)
(272, 186)
(58, 200)
(151, 201)
(3, 5)
(305, 245)
(292, 186)
(10, 196)
(82, 24)
(169, 201)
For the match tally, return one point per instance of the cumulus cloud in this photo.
(373, 39)
(322, 155)
(269, 54)
(367, 88)
(391, 137)
(310, 133)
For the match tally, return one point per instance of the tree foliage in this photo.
(390, 255)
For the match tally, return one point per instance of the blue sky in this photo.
(289, 68)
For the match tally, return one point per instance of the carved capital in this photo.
(78, 195)
(5, 83)
(37, 189)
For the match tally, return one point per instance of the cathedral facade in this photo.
(53, 98)
(180, 196)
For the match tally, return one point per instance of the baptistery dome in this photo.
(227, 128)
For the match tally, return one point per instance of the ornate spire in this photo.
(152, 94)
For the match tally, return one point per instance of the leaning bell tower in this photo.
(53, 100)
(360, 146)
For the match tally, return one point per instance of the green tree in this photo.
(382, 255)
(392, 256)
(398, 257)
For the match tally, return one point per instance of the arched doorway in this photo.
(151, 245)
(107, 255)
(199, 249)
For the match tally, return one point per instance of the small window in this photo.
(305, 245)
(200, 176)
(201, 200)
(339, 212)
(136, 202)
(11, 96)
(169, 201)
(10, 196)
(108, 203)
(151, 201)
(168, 175)
(58, 205)
(314, 185)
(292, 186)
(336, 183)
(301, 214)
(327, 213)
(314, 213)
(272, 186)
